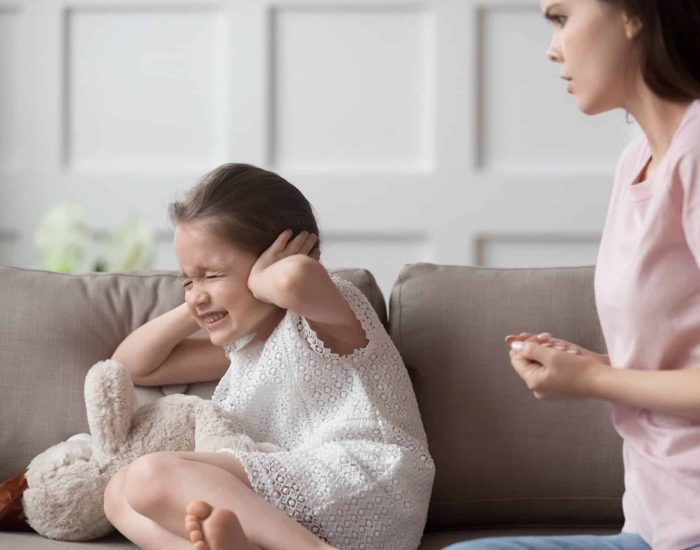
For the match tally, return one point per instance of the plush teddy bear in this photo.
(66, 483)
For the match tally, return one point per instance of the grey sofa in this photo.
(505, 463)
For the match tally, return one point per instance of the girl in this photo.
(307, 369)
(642, 56)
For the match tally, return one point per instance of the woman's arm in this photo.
(162, 352)
(288, 276)
(675, 392)
(551, 373)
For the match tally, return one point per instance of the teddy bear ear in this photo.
(110, 403)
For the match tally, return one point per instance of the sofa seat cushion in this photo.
(435, 540)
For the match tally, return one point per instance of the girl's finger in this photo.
(309, 244)
(281, 241)
(296, 244)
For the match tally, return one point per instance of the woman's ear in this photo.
(633, 26)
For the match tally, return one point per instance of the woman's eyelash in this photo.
(556, 18)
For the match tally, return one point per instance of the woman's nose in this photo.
(554, 53)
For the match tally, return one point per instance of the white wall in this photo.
(426, 130)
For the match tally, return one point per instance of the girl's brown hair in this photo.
(670, 45)
(247, 206)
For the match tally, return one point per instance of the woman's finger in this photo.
(522, 336)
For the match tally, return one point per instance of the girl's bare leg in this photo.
(215, 529)
(142, 531)
(160, 486)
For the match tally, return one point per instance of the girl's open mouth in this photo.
(212, 320)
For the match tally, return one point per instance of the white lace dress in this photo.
(354, 466)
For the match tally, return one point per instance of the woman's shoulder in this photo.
(632, 158)
(686, 141)
(683, 163)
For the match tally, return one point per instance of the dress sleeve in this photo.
(362, 309)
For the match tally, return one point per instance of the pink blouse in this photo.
(647, 287)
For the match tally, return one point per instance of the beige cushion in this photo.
(54, 326)
(501, 456)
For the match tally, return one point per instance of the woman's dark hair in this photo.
(247, 206)
(670, 45)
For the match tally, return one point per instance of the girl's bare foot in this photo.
(215, 529)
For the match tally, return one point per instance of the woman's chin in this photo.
(591, 107)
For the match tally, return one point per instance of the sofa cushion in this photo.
(501, 456)
(431, 541)
(54, 326)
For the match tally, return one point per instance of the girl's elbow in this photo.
(135, 370)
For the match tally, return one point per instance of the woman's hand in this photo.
(548, 341)
(283, 247)
(553, 368)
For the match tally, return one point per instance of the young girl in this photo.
(305, 366)
(642, 56)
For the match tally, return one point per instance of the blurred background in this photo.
(422, 130)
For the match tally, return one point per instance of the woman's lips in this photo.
(568, 83)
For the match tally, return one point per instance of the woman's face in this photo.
(597, 48)
(215, 273)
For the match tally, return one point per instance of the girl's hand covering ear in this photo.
(285, 246)
(264, 279)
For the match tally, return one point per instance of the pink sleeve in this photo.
(688, 172)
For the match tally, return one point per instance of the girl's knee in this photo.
(148, 480)
(114, 499)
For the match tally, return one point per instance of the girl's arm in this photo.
(289, 275)
(162, 352)
(551, 373)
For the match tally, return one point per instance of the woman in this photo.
(642, 56)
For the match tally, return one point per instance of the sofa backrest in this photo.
(54, 326)
(503, 458)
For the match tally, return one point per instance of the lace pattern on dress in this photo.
(355, 468)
